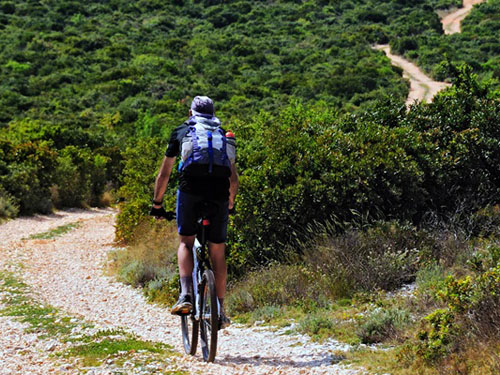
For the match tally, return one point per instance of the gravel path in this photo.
(22, 353)
(422, 87)
(68, 272)
(452, 21)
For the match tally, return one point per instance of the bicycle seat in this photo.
(206, 209)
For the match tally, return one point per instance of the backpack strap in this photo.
(210, 151)
(224, 145)
(195, 154)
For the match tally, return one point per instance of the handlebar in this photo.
(160, 213)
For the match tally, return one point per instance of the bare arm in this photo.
(233, 185)
(162, 178)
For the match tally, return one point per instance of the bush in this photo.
(383, 256)
(438, 336)
(80, 177)
(383, 324)
(472, 313)
(26, 173)
(275, 286)
(303, 166)
(8, 207)
(317, 325)
(142, 162)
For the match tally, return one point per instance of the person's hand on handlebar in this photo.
(159, 213)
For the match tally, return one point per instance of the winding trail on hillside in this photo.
(68, 272)
(452, 21)
(422, 87)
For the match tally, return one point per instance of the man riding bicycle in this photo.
(207, 174)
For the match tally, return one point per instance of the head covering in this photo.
(202, 105)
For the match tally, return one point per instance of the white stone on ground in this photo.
(68, 273)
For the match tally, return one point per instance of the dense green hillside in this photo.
(70, 62)
(89, 76)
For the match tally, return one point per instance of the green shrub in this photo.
(80, 177)
(438, 337)
(142, 162)
(163, 290)
(134, 273)
(383, 324)
(275, 286)
(304, 165)
(383, 256)
(472, 312)
(317, 325)
(8, 207)
(26, 173)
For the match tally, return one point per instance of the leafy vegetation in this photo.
(80, 83)
(330, 159)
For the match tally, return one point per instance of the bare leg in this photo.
(220, 269)
(186, 264)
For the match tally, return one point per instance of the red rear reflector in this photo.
(206, 222)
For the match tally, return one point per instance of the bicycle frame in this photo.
(201, 262)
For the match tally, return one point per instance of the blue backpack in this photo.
(205, 150)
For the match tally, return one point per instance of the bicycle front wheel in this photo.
(189, 327)
(209, 317)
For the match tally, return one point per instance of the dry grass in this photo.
(383, 256)
(106, 199)
(150, 261)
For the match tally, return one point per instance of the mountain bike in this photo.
(204, 317)
(203, 321)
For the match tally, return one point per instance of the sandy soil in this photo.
(451, 22)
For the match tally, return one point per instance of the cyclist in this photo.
(219, 187)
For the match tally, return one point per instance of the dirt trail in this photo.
(452, 21)
(422, 87)
(68, 271)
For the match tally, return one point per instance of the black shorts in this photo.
(187, 216)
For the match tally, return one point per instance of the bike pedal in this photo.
(182, 311)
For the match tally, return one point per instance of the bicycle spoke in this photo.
(209, 317)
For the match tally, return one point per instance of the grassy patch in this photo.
(40, 318)
(114, 349)
(56, 232)
(339, 321)
(386, 361)
(93, 353)
(150, 262)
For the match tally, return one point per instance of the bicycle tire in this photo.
(190, 327)
(209, 317)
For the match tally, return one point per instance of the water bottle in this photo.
(231, 146)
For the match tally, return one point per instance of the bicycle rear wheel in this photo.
(190, 328)
(209, 317)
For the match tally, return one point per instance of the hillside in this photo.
(73, 64)
(77, 82)
(364, 220)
